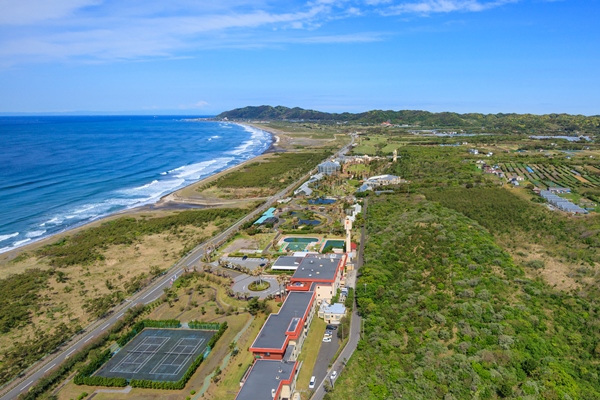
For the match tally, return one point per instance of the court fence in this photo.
(85, 375)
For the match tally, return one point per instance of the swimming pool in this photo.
(322, 201)
(298, 243)
(338, 244)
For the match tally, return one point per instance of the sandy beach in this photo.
(182, 199)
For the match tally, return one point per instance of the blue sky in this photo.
(203, 57)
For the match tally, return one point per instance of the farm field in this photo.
(545, 176)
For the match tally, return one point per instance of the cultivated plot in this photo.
(157, 355)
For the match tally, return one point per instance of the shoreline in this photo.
(167, 203)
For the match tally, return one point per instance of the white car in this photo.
(333, 375)
(311, 384)
(327, 339)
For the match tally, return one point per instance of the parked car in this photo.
(331, 327)
(311, 384)
(327, 339)
(328, 332)
(245, 258)
(333, 375)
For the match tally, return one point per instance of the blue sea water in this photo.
(60, 172)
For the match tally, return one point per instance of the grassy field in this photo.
(310, 351)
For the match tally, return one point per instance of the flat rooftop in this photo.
(264, 376)
(318, 267)
(273, 333)
(287, 262)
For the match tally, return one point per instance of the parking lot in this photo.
(326, 354)
(250, 263)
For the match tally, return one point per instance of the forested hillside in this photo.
(449, 315)
(526, 123)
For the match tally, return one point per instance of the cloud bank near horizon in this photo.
(106, 31)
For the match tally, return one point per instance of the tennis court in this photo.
(157, 355)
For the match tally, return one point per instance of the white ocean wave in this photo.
(34, 234)
(199, 170)
(20, 242)
(5, 237)
(53, 221)
(259, 140)
(5, 249)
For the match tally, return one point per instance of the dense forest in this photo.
(449, 315)
(495, 122)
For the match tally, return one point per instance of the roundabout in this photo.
(259, 285)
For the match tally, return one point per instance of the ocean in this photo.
(57, 173)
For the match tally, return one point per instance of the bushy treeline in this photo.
(84, 377)
(209, 326)
(508, 122)
(85, 247)
(20, 294)
(509, 215)
(278, 172)
(22, 354)
(448, 315)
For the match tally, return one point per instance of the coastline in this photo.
(169, 202)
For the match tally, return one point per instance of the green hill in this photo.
(512, 122)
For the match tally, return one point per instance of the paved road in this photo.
(326, 353)
(147, 295)
(354, 326)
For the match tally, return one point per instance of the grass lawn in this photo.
(310, 351)
(228, 386)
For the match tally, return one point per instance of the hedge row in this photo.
(167, 323)
(180, 384)
(84, 376)
(147, 323)
(65, 368)
(209, 326)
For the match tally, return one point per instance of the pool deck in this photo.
(318, 245)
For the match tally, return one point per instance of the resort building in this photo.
(269, 214)
(328, 167)
(380, 180)
(332, 313)
(287, 263)
(283, 334)
(268, 380)
(321, 273)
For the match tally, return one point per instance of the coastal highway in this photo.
(145, 296)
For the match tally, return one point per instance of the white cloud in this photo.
(445, 6)
(21, 12)
(102, 31)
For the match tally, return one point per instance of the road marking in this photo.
(119, 316)
(71, 352)
(151, 292)
(49, 368)
(27, 384)
(104, 327)
(88, 339)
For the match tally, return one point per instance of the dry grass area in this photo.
(192, 303)
(63, 302)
